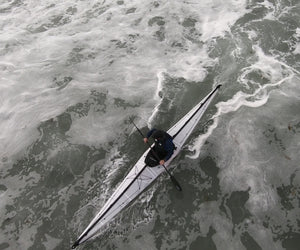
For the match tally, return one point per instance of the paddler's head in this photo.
(158, 136)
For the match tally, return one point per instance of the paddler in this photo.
(164, 147)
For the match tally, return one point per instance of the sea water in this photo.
(74, 72)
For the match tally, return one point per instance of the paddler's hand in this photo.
(145, 140)
(161, 162)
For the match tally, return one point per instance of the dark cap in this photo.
(158, 134)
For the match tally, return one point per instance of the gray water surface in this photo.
(74, 72)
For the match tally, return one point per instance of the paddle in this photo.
(175, 182)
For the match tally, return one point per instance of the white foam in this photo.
(297, 49)
(51, 242)
(35, 58)
(218, 17)
(156, 97)
(275, 71)
(96, 130)
(297, 45)
(263, 236)
(23, 112)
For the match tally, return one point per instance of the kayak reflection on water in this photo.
(162, 150)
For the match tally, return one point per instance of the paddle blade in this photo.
(175, 182)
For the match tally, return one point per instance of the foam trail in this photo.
(156, 97)
(260, 95)
(270, 59)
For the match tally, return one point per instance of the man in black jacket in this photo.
(163, 148)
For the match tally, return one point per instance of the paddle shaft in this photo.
(175, 182)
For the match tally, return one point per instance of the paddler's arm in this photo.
(149, 134)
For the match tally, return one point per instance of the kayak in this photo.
(141, 176)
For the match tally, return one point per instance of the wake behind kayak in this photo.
(141, 176)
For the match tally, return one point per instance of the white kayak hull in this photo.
(141, 176)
